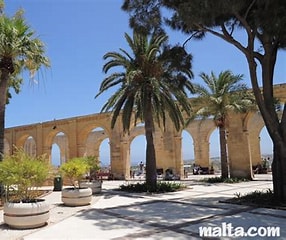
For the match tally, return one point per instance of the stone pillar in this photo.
(47, 150)
(166, 158)
(125, 156)
(254, 141)
(254, 126)
(201, 149)
(72, 140)
(238, 148)
(179, 164)
(39, 139)
(200, 132)
(82, 150)
(118, 151)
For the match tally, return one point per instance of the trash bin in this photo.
(58, 183)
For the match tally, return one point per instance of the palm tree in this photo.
(217, 97)
(154, 81)
(19, 51)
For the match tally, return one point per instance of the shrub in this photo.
(257, 197)
(161, 187)
(75, 169)
(94, 166)
(21, 174)
(224, 180)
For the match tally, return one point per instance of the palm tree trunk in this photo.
(3, 96)
(223, 153)
(151, 173)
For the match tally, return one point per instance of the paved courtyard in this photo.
(180, 215)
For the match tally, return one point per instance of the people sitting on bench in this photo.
(197, 169)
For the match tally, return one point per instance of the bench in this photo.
(105, 175)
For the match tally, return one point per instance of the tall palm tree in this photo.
(218, 96)
(19, 51)
(153, 85)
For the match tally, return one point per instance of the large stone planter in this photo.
(95, 185)
(26, 215)
(76, 197)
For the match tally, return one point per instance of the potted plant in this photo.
(75, 170)
(92, 179)
(21, 175)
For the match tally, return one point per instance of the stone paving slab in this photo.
(166, 213)
(88, 226)
(121, 216)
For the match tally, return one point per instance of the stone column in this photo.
(255, 151)
(39, 139)
(238, 148)
(72, 140)
(166, 158)
(201, 149)
(118, 151)
(125, 156)
(179, 164)
(81, 150)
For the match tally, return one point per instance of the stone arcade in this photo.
(79, 140)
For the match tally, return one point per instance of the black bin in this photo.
(58, 184)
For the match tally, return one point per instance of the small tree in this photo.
(94, 166)
(22, 174)
(75, 169)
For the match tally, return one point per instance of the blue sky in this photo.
(77, 33)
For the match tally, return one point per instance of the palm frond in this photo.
(149, 77)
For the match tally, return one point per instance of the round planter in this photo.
(95, 186)
(76, 197)
(26, 215)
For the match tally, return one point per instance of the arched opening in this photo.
(187, 152)
(104, 153)
(266, 148)
(59, 151)
(56, 156)
(215, 150)
(97, 145)
(30, 146)
(138, 156)
(187, 147)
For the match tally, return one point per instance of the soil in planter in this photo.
(36, 194)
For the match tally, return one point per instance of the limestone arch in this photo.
(30, 146)
(20, 141)
(94, 139)
(62, 142)
(88, 127)
(27, 141)
(254, 126)
(136, 131)
(201, 130)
